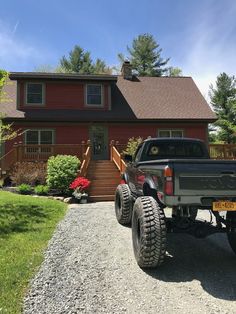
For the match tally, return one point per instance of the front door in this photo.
(99, 142)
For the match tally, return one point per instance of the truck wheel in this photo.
(231, 229)
(123, 204)
(148, 232)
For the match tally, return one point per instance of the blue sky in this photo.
(198, 36)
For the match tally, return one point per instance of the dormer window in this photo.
(94, 95)
(34, 94)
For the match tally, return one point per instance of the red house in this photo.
(63, 110)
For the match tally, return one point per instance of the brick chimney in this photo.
(126, 70)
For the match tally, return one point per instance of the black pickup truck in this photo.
(178, 174)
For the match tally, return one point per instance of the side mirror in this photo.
(128, 158)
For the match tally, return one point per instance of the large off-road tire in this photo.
(148, 232)
(123, 204)
(231, 229)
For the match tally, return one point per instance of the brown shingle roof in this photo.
(144, 98)
(8, 101)
(165, 98)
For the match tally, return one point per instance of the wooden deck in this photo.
(21, 152)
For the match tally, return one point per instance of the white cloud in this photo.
(211, 49)
(15, 27)
(15, 53)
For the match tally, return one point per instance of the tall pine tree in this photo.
(223, 100)
(145, 56)
(80, 61)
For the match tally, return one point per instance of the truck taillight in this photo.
(168, 174)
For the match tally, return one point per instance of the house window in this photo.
(34, 94)
(94, 95)
(38, 137)
(170, 133)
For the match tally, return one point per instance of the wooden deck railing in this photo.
(86, 161)
(217, 151)
(43, 152)
(116, 157)
(22, 152)
(222, 151)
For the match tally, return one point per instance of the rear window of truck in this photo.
(174, 149)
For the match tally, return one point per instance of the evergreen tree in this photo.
(80, 61)
(100, 67)
(47, 68)
(223, 100)
(145, 56)
(174, 71)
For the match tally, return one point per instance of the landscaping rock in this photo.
(59, 198)
(68, 200)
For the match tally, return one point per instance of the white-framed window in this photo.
(39, 137)
(34, 94)
(170, 133)
(94, 95)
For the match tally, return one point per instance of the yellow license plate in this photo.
(221, 205)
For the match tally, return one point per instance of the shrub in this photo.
(32, 173)
(24, 188)
(132, 145)
(61, 171)
(41, 189)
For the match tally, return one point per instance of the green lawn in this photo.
(26, 225)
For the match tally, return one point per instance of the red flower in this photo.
(81, 183)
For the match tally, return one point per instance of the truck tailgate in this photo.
(204, 177)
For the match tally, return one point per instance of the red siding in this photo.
(59, 95)
(76, 133)
(122, 132)
(71, 134)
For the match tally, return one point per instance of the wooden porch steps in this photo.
(104, 177)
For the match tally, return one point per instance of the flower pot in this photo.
(83, 200)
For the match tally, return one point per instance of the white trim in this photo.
(170, 130)
(101, 105)
(26, 94)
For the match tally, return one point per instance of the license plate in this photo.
(224, 206)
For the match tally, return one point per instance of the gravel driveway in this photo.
(89, 267)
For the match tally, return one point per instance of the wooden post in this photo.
(111, 149)
(225, 151)
(120, 162)
(88, 143)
